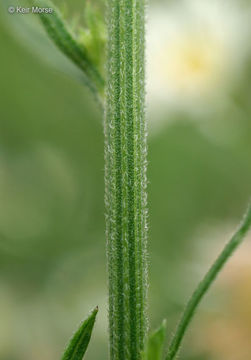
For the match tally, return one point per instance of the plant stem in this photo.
(206, 283)
(125, 179)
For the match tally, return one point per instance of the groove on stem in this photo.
(125, 178)
(206, 283)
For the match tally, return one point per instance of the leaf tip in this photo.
(95, 310)
(164, 323)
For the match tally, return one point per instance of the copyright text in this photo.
(29, 10)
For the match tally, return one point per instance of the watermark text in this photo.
(30, 10)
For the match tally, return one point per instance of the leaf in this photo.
(155, 343)
(80, 340)
(26, 31)
(205, 284)
(65, 40)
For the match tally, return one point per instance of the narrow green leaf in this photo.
(155, 343)
(205, 284)
(80, 340)
(61, 35)
(31, 36)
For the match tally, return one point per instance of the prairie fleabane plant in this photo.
(125, 157)
(121, 91)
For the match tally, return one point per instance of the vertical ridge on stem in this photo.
(125, 178)
(112, 184)
(141, 163)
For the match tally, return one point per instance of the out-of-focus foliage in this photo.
(60, 33)
(94, 35)
(52, 244)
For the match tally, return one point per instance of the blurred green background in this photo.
(52, 244)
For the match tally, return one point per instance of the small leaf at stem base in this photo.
(155, 343)
(80, 340)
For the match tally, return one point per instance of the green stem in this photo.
(125, 175)
(206, 283)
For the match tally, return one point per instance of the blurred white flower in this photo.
(196, 50)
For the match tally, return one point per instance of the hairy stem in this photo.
(125, 178)
(206, 283)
